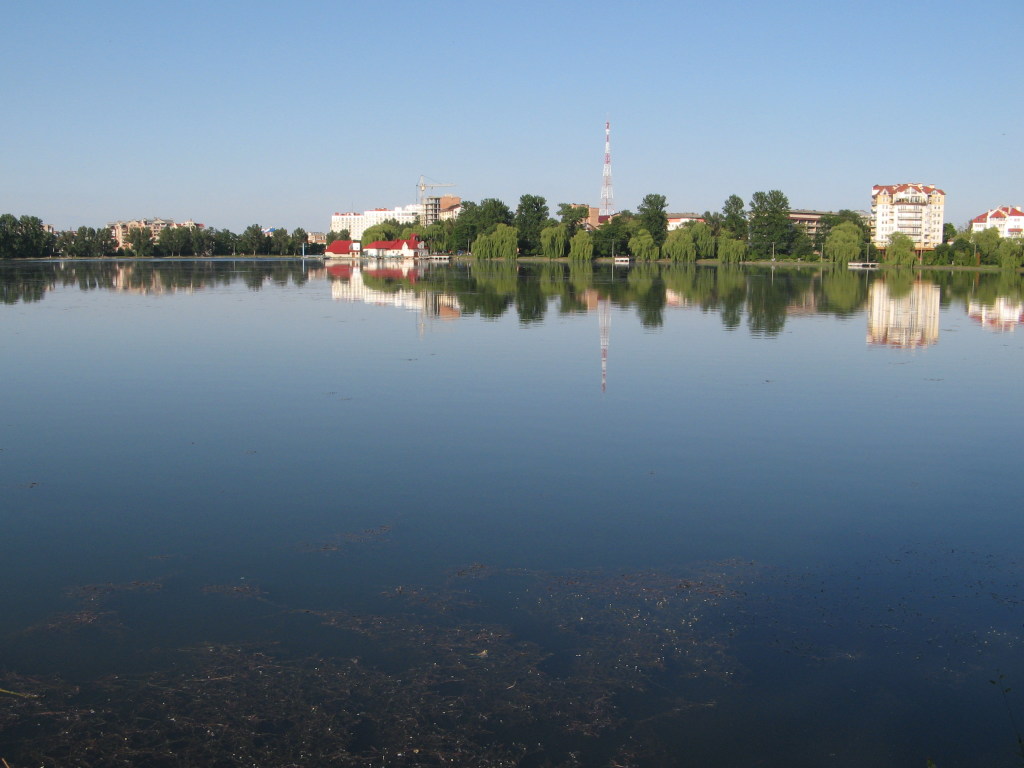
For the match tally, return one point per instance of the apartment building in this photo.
(120, 229)
(916, 210)
(357, 223)
(1008, 219)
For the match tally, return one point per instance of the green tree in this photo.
(201, 241)
(1008, 254)
(731, 250)
(343, 234)
(679, 245)
(251, 240)
(572, 216)
(174, 240)
(389, 229)
(987, 242)
(553, 239)
(140, 242)
(948, 232)
(467, 226)
(734, 218)
(225, 242)
(714, 221)
(530, 217)
(843, 243)
(505, 242)
(653, 217)
(703, 239)
(280, 241)
(24, 238)
(297, 239)
(642, 246)
(494, 212)
(581, 247)
(771, 231)
(612, 237)
(830, 220)
(900, 251)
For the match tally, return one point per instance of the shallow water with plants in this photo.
(289, 512)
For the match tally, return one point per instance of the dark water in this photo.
(281, 514)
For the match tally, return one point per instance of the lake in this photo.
(286, 513)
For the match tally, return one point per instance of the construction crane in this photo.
(424, 185)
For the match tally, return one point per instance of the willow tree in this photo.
(679, 245)
(731, 250)
(505, 242)
(483, 247)
(1008, 254)
(553, 240)
(900, 251)
(843, 243)
(642, 246)
(703, 239)
(581, 247)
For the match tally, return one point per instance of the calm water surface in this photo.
(282, 513)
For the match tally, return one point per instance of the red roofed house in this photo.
(343, 249)
(400, 249)
(916, 210)
(1008, 219)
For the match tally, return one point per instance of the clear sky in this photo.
(282, 113)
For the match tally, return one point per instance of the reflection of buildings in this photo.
(1001, 315)
(910, 320)
(126, 281)
(349, 283)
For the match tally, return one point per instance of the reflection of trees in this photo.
(731, 286)
(648, 293)
(844, 291)
(29, 282)
(770, 293)
(495, 288)
(899, 282)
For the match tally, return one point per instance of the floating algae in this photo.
(442, 681)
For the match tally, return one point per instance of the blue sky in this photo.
(282, 113)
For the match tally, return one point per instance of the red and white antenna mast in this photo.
(607, 200)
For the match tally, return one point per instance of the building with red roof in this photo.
(916, 210)
(1008, 219)
(342, 249)
(396, 249)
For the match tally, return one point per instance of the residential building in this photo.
(808, 220)
(357, 223)
(120, 229)
(391, 249)
(677, 220)
(1008, 219)
(916, 210)
(440, 208)
(342, 249)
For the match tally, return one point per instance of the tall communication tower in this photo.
(607, 200)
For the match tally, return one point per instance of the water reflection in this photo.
(903, 312)
(902, 307)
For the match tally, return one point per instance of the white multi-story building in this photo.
(916, 210)
(1008, 219)
(357, 223)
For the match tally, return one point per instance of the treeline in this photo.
(491, 229)
(28, 238)
(762, 230)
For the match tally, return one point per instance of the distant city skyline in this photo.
(282, 115)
